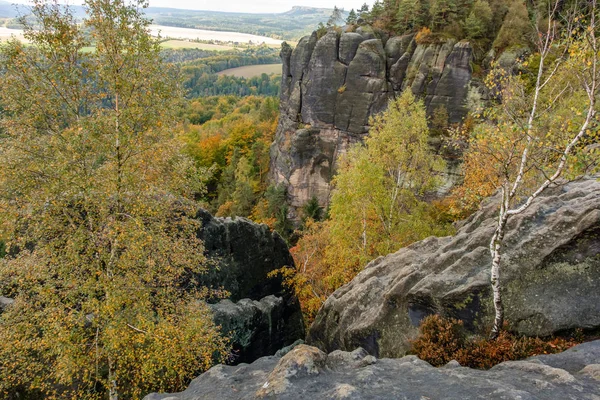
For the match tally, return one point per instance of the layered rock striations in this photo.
(308, 373)
(331, 87)
(550, 272)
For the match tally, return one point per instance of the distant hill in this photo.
(290, 25)
(7, 10)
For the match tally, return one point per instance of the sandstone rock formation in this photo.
(550, 272)
(258, 328)
(260, 315)
(331, 86)
(308, 373)
(244, 254)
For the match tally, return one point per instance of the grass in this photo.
(251, 71)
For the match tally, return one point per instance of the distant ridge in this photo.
(288, 25)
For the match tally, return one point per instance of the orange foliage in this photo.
(442, 340)
(424, 36)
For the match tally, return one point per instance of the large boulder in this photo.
(308, 373)
(550, 273)
(244, 253)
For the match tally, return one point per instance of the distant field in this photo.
(184, 44)
(187, 33)
(251, 71)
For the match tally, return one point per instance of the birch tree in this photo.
(98, 210)
(545, 129)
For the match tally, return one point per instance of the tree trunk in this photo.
(113, 394)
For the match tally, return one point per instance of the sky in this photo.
(256, 6)
(249, 6)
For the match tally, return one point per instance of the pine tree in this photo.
(352, 17)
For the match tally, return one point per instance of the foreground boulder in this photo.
(550, 271)
(259, 315)
(308, 373)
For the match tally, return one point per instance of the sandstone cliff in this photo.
(331, 86)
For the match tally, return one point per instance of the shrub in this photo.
(444, 339)
(424, 36)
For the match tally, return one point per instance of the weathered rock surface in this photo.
(331, 86)
(244, 253)
(260, 315)
(5, 302)
(308, 373)
(550, 272)
(257, 328)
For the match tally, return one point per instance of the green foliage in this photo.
(376, 206)
(517, 29)
(199, 71)
(312, 209)
(232, 138)
(98, 212)
(412, 15)
(321, 31)
(352, 17)
(442, 340)
(478, 23)
(442, 13)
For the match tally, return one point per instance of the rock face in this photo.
(258, 328)
(244, 253)
(550, 272)
(259, 314)
(306, 372)
(331, 86)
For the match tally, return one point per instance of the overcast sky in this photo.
(257, 6)
(249, 6)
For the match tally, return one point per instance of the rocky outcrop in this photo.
(244, 253)
(332, 86)
(308, 373)
(259, 315)
(257, 328)
(550, 272)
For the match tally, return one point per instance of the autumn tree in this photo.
(377, 204)
(544, 131)
(97, 200)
